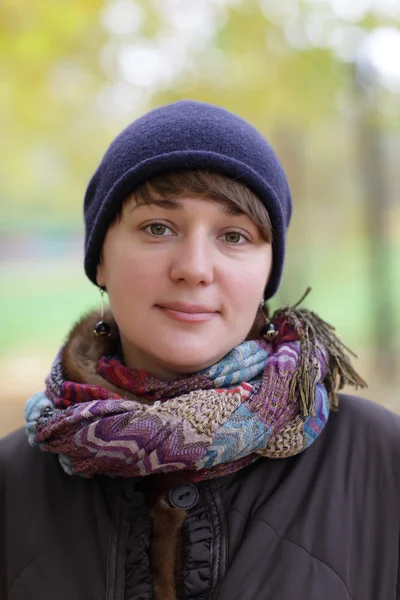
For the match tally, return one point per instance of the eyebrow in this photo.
(167, 204)
(229, 208)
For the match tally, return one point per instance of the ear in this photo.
(100, 278)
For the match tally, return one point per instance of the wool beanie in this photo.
(187, 135)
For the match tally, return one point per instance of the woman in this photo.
(182, 446)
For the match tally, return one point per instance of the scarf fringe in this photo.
(314, 331)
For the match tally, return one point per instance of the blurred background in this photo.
(320, 79)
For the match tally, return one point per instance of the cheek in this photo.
(134, 281)
(245, 284)
(244, 300)
(130, 278)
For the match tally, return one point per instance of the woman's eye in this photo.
(157, 229)
(233, 237)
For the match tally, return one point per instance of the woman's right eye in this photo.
(157, 229)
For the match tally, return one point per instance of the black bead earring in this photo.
(268, 331)
(102, 328)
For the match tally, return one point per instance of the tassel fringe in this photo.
(312, 331)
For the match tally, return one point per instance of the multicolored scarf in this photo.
(263, 399)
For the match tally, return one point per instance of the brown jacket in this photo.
(323, 525)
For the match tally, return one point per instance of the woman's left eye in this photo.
(234, 237)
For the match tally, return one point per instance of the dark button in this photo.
(183, 496)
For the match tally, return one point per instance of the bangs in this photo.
(237, 197)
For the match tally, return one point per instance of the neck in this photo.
(137, 359)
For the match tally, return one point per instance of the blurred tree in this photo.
(72, 73)
(49, 73)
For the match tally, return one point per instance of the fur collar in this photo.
(84, 348)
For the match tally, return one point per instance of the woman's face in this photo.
(184, 279)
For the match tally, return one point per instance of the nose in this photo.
(193, 261)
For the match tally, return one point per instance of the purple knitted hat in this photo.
(187, 135)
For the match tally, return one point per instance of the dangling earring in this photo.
(268, 331)
(102, 328)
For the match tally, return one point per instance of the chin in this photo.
(183, 353)
(189, 360)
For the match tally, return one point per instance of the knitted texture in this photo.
(187, 135)
(209, 424)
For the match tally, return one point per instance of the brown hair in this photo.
(200, 183)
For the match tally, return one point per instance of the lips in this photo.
(191, 313)
(188, 308)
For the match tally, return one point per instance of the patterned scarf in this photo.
(263, 399)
